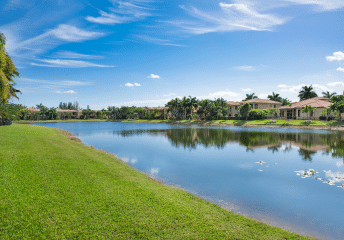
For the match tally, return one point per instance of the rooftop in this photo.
(313, 102)
(258, 100)
(231, 103)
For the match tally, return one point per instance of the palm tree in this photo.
(250, 96)
(306, 93)
(13, 92)
(275, 97)
(193, 103)
(184, 105)
(7, 72)
(328, 94)
(174, 105)
(286, 101)
(2, 41)
(204, 107)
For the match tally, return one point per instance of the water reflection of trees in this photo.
(308, 143)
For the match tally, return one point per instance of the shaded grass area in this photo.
(56, 188)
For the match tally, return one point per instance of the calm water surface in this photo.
(290, 178)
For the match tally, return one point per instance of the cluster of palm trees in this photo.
(187, 107)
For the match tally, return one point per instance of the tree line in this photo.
(190, 108)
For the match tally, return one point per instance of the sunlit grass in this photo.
(266, 122)
(56, 188)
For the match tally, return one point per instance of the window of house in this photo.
(256, 106)
(298, 113)
(275, 106)
(236, 107)
(311, 114)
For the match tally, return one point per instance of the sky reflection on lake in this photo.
(287, 177)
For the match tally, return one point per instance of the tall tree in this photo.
(338, 105)
(193, 104)
(275, 97)
(7, 72)
(250, 96)
(328, 95)
(306, 93)
(244, 110)
(286, 101)
(185, 104)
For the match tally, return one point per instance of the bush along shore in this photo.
(55, 187)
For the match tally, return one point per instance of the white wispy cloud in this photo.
(158, 41)
(336, 84)
(69, 92)
(63, 83)
(153, 76)
(132, 85)
(223, 94)
(63, 33)
(73, 34)
(240, 16)
(60, 63)
(169, 95)
(245, 15)
(263, 95)
(297, 88)
(321, 4)
(246, 89)
(123, 12)
(245, 68)
(340, 69)
(337, 56)
(74, 55)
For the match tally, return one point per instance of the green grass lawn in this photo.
(55, 188)
(266, 122)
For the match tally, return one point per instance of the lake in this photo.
(291, 178)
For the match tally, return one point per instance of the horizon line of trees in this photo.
(190, 108)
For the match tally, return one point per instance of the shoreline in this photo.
(303, 232)
(220, 123)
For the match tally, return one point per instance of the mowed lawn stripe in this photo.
(55, 188)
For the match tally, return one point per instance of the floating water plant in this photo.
(260, 162)
(332, 178)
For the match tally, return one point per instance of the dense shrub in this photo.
(322, 118)
(255, 114)
(172, 118)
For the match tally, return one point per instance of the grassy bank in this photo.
(53, 187)
(267, 122)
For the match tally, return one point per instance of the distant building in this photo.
(67, 113)
(295, 110)
(256, 103)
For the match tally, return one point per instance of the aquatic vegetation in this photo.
(332, 178)
(260, 162)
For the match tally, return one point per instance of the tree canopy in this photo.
(329, 95)
(250, 96)
(306, 93)
(7, 72)
(275, 97)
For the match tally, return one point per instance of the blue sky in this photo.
(146, 52)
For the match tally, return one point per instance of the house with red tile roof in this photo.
(256, 103)
(295, 110)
